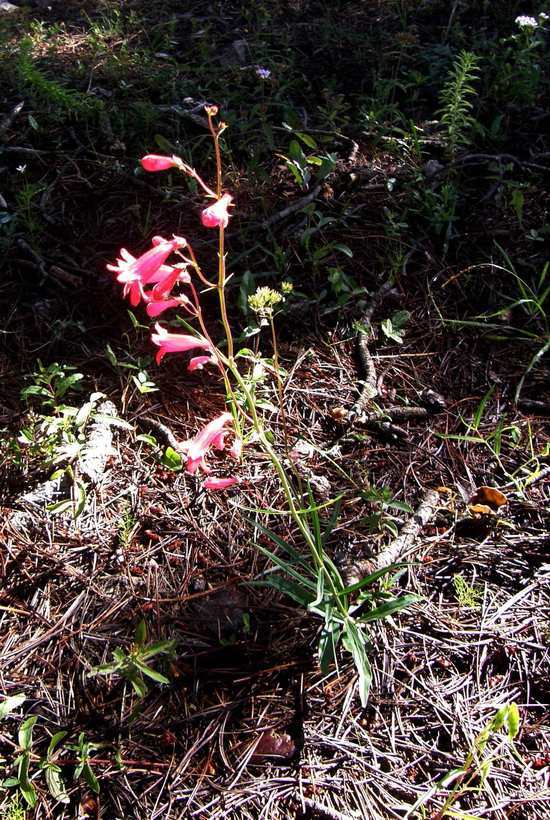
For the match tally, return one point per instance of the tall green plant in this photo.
(456, 100)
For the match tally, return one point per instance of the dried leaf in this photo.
(489, 496)
(480, 509)
(274, 745)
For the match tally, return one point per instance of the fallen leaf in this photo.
(480, 509)
(489, 496)
(338, 413)
(274, 745)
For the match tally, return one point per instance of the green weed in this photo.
(457, 101)
(56, 99)
(133, 665)
(473, 774)
(467, 595)
(315, 583)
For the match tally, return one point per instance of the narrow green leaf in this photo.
(25, 786)
(330, 636)
(513, 720)
(55, 741)
(158, 648)
(141, 632)
(355, 642)
(371, 579)
(80, 498)
(55, 784)
(283, 545)
(10, 703)
(25, 733)
(297, 592)
(151, 673)
(307, 140)
(288, 569)
(389, 608)
(139, 685)
(60, 506)
(90, 778)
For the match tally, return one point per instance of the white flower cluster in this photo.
(524, 21)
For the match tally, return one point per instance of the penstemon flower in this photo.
(176, 342)
(155, 162)
(217, 214)
(213, 435)
(148, 268)
(157, 306)
(212, 483)
(198, 362)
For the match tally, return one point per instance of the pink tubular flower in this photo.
(213, 435)
(198, 362)
(146, 267)
(219, 483)
(157, 306)
(175, 342)
(155, 162)
(217, 214)
(165, 283)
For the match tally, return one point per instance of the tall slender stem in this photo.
(278, 379)
(221, 292)
(287, 489)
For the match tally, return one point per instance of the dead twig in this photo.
(149, 423)
(297, 205)
(7, 120)
(408, 535)
(36, 259)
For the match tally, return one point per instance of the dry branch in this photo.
(294, 206)
(408, 535)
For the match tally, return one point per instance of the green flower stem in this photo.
(221, 293)
(287, 488)
(279, 380)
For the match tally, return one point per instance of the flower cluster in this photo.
(151, 279)
(524, 21)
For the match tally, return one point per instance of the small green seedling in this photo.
(133, 665)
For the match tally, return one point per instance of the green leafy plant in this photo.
(84, 748)
(315, 583)
(473, 774)
(13, 810)
(308, 167)
(133, 665)
(393, 328)
(456, 100)
(52, 769)
(138, 366)
(503, 441)
(523, 297)
(468, 595)
(21, 779)
(59, 100)
(50, 384)
(383, 501)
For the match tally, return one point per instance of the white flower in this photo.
(523, 21)
(543, 16)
